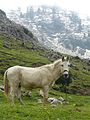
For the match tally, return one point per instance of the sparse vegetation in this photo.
(76, 109)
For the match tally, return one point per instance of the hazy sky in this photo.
(81, 6)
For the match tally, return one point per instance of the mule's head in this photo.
(65, 67)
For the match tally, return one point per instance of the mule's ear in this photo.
(63, 58)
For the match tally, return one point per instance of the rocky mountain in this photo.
(12, 29)
(63, 31)
(17, 32)
(16, 36)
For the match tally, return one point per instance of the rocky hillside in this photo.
(64, 31)
(10, 29)
(27, 51)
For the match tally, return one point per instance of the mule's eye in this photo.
(69, 65)
(62, 65)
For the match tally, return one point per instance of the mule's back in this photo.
(35, 77)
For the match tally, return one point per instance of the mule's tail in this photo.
(6, 86)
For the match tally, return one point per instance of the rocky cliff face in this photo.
(61, 30)
(12, 29)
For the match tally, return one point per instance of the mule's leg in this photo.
(17, 91)
(13, 91)
(19, 94)
(11, 96)
(45, 94)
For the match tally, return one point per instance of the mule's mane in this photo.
(57, 61)
(48, 66)
(52, 65)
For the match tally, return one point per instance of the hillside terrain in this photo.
(18, 46)
(78, 108)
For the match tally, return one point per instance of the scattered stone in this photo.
(61, 99)
(55, 100)
(2, 88)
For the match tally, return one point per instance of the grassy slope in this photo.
(15, 54)
(81, 76)
(78, 107)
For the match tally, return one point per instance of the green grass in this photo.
(77, 109)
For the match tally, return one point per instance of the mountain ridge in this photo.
(10, 30)
(60, 30)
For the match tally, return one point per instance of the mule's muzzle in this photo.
(65, 74)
